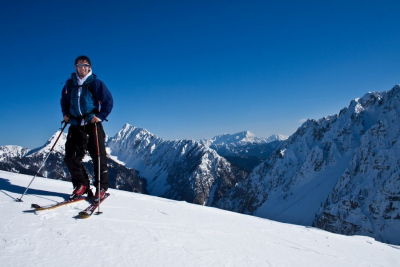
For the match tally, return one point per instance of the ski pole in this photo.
(62, 130)
(98, 168)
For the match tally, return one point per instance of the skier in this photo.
(85, 103)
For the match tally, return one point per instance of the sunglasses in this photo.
(83, 65)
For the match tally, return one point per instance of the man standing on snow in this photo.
(85, 103)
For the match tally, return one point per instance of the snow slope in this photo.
(141, 230)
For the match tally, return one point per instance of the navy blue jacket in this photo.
(94, 101)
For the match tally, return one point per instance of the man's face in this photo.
(82, 68)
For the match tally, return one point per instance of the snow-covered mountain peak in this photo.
(277, 137)
(370, 99)
(237, 139)
(240, 139)
(59, 147)
(129, 132)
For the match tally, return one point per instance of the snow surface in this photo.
(142, 230)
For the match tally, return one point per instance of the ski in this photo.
(56, 205)
(92, 207)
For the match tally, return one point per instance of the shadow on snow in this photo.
(6, 186)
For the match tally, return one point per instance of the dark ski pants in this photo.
(79, 140)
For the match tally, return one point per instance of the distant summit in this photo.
(277, 137)
(244, 149)
(240, 139)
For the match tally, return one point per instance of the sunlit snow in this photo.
(141, 230)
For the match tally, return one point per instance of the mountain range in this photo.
(339, 173)
(139, 161)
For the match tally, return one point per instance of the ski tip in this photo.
(83, 215)
(37, 207)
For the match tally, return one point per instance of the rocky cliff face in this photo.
(340, 173)
(366, 197)
(183, 170)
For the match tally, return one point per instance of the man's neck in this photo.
(81, 80)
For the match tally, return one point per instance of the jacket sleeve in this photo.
(106, 100)
(65, 100)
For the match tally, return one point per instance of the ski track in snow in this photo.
(141, 230)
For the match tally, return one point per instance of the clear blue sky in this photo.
(195, 69)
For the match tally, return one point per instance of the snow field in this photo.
(141, 230)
